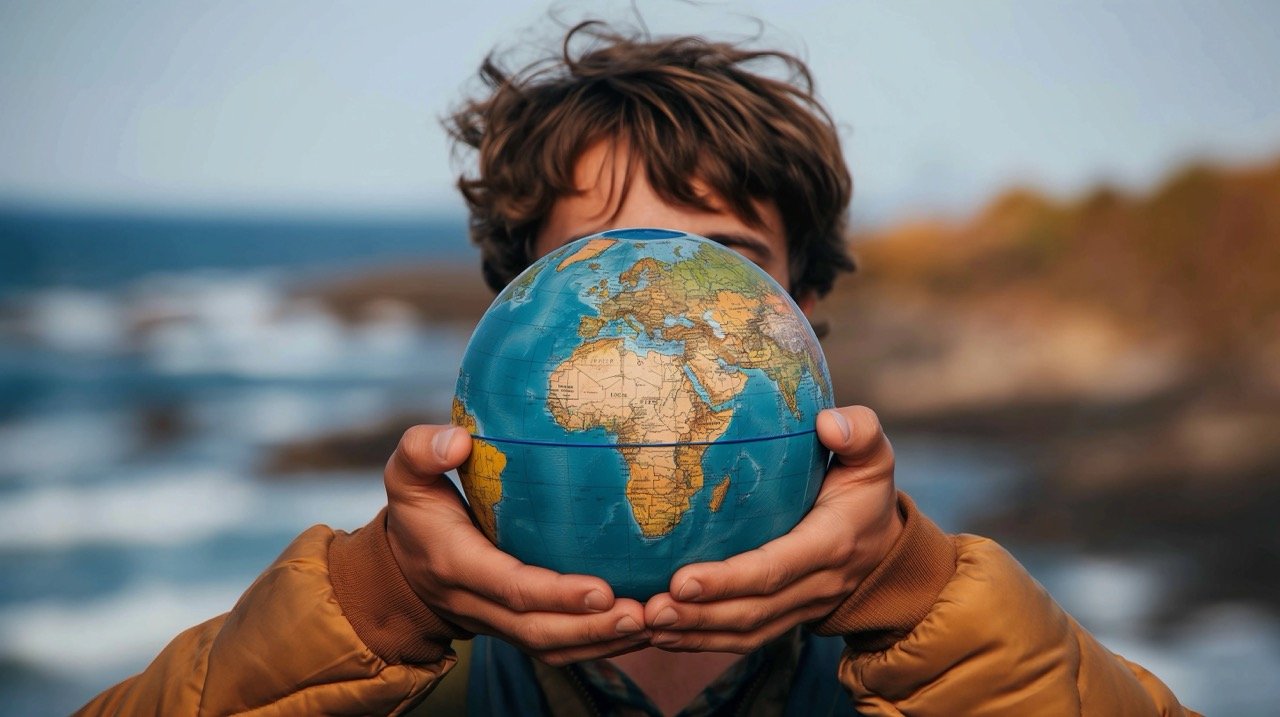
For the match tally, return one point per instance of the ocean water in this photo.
(133, 499)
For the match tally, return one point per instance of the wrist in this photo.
(378, 601)
(901, 590)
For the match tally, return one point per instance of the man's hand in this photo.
(460, 575)
(738, 604)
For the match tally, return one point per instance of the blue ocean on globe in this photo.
(641, 399)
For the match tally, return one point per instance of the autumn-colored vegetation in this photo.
(1196, 260)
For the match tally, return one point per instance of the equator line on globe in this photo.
(641, 399)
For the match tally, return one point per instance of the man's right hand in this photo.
(465, 579)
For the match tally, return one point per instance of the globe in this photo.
(640, 399)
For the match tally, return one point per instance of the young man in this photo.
(684, 134)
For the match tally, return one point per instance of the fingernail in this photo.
(666, 618)
(663, 639)
(627, 626)
(843, 423)
(690, 590)
(597, 602)
(440, 444)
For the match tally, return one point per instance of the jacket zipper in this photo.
(581, 687)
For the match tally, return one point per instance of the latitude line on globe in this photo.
(559, 444)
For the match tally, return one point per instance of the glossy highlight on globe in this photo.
(641, 399)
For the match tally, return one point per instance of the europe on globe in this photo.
(639, 400)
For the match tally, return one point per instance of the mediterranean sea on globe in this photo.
(639, 400)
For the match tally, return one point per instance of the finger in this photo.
(807, 548)
(728, 641)
(621, 646)
(737, 639)
(541, 632)
(854, 434)
(425, 453)
(461, 560)
(813, 596)
(501, 578)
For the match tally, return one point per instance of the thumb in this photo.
(425, 453)
(854, 435)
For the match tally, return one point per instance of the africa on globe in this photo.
(639, 400)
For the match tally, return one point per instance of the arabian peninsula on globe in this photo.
(639, 400)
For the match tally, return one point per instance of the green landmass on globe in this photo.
(610, 379)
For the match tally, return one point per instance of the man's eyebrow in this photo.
(743, 241)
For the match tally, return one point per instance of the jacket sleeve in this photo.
(331, 627)
(949, 624)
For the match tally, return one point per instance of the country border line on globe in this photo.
(560, 444)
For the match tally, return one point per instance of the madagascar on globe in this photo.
(639, 400)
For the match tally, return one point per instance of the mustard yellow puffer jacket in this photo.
(946, 625)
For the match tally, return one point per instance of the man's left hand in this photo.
(739, 604)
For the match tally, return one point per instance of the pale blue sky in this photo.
(334, 107)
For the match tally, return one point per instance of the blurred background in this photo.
(233, 270)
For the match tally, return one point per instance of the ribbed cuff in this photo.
(902, 589)
(379, 603)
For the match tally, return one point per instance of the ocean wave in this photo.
(243, 324)
(55, 446)
(263, 415)
(174, 505)
(118, 633)
(156, 506)
(73, 320)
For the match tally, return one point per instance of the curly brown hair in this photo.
(694, 109)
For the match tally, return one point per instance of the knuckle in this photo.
(443, 569)
(694, 620)
(531, 634)
(866, 417)
(776, 577)
(415, 443)
(689, 642)
(514, 595)
(757, 617)
(843, 552)
(412, 455)
(595, 632)
(555, 659)
(837, 587)
(453, 602)
(588, 635)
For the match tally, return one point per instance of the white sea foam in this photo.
(239, 327)
(242, 324)
(48, 447)
(1111, 594)
(245, 325)
(74, 321)
(119, 633)
(258, 415)
(162, 506)
(344, 501)
(176, 505)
